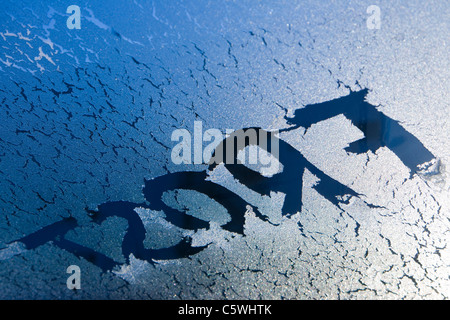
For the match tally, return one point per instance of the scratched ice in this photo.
(85, 142)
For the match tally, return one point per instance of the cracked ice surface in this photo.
(86, 115)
